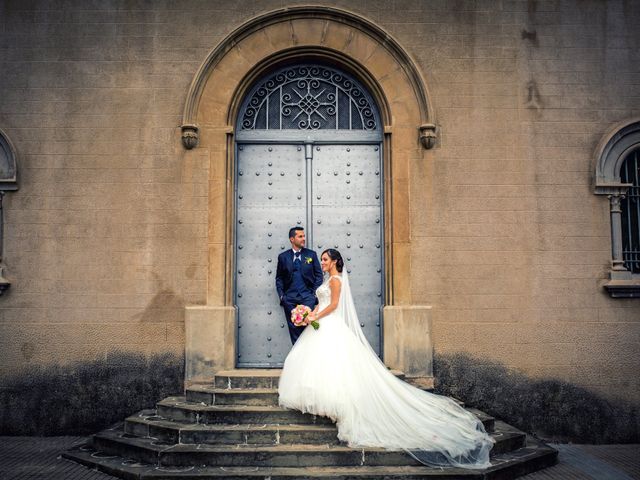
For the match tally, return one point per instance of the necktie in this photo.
(296, 256)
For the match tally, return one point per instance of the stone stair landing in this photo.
(234, 428)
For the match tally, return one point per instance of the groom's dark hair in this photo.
(293, 230)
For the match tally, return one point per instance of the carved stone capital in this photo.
(189, 136)
(428, 135)
(615, 202)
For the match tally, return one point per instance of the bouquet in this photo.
(300, 317)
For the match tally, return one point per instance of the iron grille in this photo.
(309, 97)
(630, 173)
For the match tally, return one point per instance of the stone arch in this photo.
(613, 148)
(8, 164)
(325, 27)
(377, 60)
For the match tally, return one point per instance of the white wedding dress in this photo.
(334, 372)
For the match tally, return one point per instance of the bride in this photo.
(334, 372)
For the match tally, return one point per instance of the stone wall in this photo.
(106, 240)
(514, 243)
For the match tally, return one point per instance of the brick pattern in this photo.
(106, 241)
(515, 245)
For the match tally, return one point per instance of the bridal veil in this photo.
(377, 409)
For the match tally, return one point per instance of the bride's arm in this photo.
(334, 285)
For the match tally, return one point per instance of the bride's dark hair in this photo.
(335, 255)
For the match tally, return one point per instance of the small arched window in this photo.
(630, 212)
(8, 183)
(8, 165)
(618, 177)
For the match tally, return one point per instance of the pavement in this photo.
(38, 458)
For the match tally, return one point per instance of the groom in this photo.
(297, 277)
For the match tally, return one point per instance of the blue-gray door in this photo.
(308, 153)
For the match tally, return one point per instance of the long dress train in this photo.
(333, 371)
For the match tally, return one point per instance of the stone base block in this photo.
(210, 343)
(408, 344)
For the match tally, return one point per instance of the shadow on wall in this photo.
(549, 409)
(85, 397)
(165, 300)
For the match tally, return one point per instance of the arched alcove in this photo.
(371, 55)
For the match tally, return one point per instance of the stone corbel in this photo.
(428, 135)
(617, 189)
(189, 135)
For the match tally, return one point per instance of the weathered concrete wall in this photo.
(106, 240)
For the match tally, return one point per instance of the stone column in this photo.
(617, 260)
(621, 282)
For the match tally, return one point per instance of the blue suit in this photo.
(297, 283)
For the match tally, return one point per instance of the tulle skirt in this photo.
(329, 372)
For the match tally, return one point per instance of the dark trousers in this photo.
(289, 304)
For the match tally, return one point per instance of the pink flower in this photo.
(300, 314)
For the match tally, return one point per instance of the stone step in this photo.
(257, 378)
(232, 396)
(532, 457)
(508, 439)
(210, 395)
(147, 424)
(299, 455)
(247, 378)
(487, 420)
(178, 409)
(157, 451)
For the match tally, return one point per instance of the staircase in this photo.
(234, 429)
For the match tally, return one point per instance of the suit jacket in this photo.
(311, 271)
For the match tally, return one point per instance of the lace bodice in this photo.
(324, 292)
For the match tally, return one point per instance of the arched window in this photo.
(8, 183)
(630, 212)
(8, 165)
(618, 177)
(309, 101)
